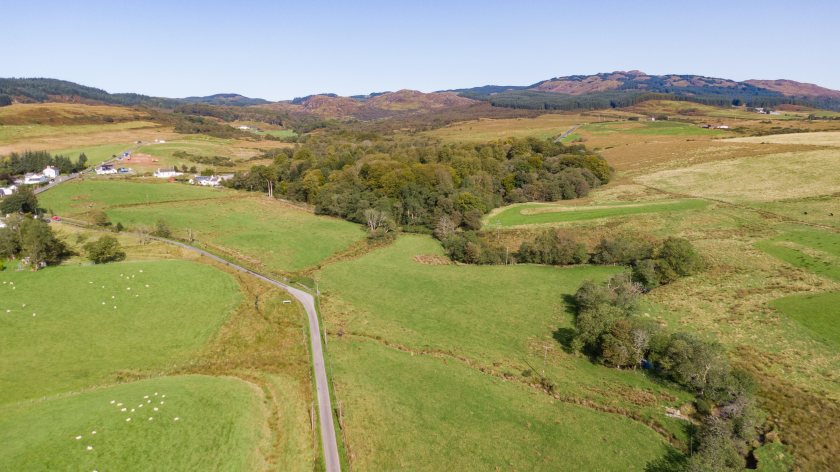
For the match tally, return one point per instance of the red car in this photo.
(56, 218)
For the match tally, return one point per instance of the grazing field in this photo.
(259, 231)
(486, 130)
(823, 138)
(95, 154)
(475, 335)
(185, 423)
(71, 327)
(819, 314)
(409, 412)
(278, 133)
(813, 250)
(764, 178)
(82, 196)
(548, 213)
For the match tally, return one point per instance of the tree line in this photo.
(414, 182)
(652, 263)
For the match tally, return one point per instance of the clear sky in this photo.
(279, 50)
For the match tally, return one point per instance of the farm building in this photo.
(6, 191)
(166, 173)
(35, 179)
(210, 181)
(51, 172)
(106, 169)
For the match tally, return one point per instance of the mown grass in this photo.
(819, 314)
(404, 412)
(278, 133)
(813, 250)
(220, 427)
(539, 213)
(61, 331)
(82, 196)
(462, 330)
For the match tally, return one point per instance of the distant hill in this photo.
(617, 89)
(40, 90)
(227, 99)
(375, 105)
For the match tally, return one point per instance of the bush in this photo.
(623, 250)
(105, 249)
(162, 230)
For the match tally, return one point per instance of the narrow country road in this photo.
(329, 441)
(328, 438)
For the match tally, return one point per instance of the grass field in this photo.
(405, 412)
(279, 133)
(485, 130)
(822, 138)
(474, 335)
(762, 178)
(62, 331)
(66, 114)
(547, 213)
(271, 234)
(200, 423)
(81, 196)
(16, 133)
(95, 154)
(814, 250)
(648, 128)
(819, 314)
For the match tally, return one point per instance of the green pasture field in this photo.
(61, 331)
(201, 423)
(813, 250)
(280, 237)
(649, 128)
(452, 322)
(545, 213)
(95, 154)
(410, 412)
(819, 314)
(78, 197)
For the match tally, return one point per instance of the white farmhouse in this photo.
(51, 172)
(35, 179)
(166, 173)
(6, 191)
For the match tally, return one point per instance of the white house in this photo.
(6, 191)
(244, 128)
(51, 172)
(35, 179)
(166, 173)
(105, 169)
(723, 127)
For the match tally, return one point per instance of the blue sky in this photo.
(280, 50)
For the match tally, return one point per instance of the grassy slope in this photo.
(520, 215)
(813, 250)
(281, 237)
(14, 133)
(96, 339)
(95, 154)
(81, 196)
(500, 319)
(418, 413)
(219, 428)
(820, 314)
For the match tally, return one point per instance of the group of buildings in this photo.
(46, 176)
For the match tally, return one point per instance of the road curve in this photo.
(328, 438)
